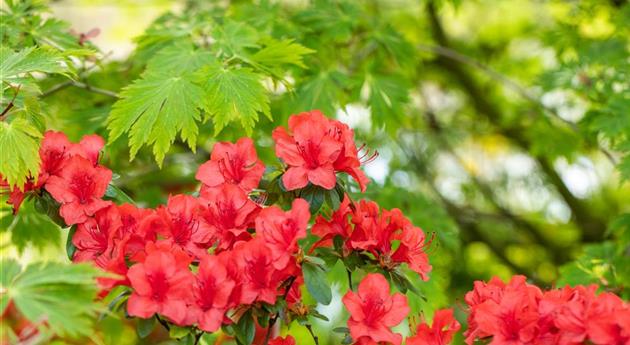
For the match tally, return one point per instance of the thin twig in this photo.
(163, 323)
(273, 320)
(78, 84)
(310, 330)
(349, 279)
(11, 104)
(56, 88)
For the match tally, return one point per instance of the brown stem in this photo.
(4, 113)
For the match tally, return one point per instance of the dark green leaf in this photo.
(316, 282)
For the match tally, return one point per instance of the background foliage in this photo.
(502, 127)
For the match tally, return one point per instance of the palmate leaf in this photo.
(19, 151)
(154, 108)
(279, 53)
(30, 227)
(234, 94)
(388, 95)
(61, 295)
(323, 91)
(14, 64)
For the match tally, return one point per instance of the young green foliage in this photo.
(61, 294)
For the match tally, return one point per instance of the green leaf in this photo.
(30, 227)
(316, 282)
(118, 194)
(279, 53)
(153, 109)
(388, 95)
(19, 153)
(245, 329)
(234, 94)
(315, 196)
(323, 91)
(180, 57)
(62, 294)
(144, 327)
(177, 332)
(70, 247)
(14, 64)
(233, 38)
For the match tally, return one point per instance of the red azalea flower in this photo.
(56, 149)
(608, 320)
(16, 195)
(236, 164)
(440, 333)
(162, 283)
(309, 151)
(96, 235)
(348, 161)
(178, 222)
(79, 188)
(337, 225)
(231, 261)
(259, 280)
(281, 230)
(373, 311)
(289, 340)
(375, 232)
(508, 313)
(135, 235)
(227, 215)
(212, 291)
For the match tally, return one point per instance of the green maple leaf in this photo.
(29, 227)
(324, 91)
(279, 53)
(388, 95)
(62, 295)
(233, 38)
(154, 108)
(234, 94)
(14, 65)
(19, 153)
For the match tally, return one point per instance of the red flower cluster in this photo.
(71, 174)
(364, 227)
(198, 257)
(520, 313)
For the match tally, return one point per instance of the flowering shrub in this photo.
(235, 256)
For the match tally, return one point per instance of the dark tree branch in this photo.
(558, 254)
(592, 227)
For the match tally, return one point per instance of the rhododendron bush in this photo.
(315, 172)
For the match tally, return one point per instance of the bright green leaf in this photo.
(154, 109)
(316, 282)
(234, 94)
(19, 153)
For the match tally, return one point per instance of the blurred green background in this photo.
(501, 126)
